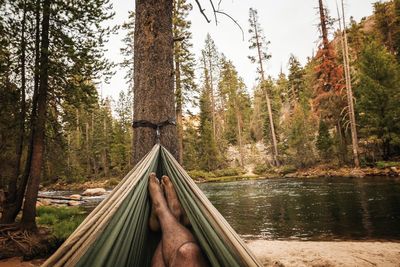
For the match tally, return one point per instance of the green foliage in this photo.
(209, 154)
(324, 141)
(190, 145)
(199, 174)
(237, 103)
(261, 169)
(300, 129)
(61, 220)
(387, 164)
(295, 86)
(228, 172)
(378, 97)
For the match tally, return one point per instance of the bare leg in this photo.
(179, 247)
(158, 260)
(154, 224)
(173, 201)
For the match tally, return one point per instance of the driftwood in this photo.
(59, 198)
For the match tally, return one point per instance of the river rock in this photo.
(43, 202)
(73, 203)
(75, 197)
(94, 192)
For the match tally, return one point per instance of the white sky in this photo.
(290, 26)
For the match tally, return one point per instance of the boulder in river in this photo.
(73, 203)
(94, 192)
(75, 197)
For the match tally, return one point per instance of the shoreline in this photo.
(326, 253)
(314, 172)
(302, 253)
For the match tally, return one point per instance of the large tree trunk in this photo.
(324, 29)
(346, 62)
(153, 77)
(29, 211)
(179, 107)
(13, 184)
(13, 207)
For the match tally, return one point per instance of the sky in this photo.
(290, 25)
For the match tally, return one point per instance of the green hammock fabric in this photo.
(116, 232)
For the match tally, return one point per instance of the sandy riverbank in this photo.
(307, 253)
(310, 253)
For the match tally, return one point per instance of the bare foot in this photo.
(157, 200)
(173, 201)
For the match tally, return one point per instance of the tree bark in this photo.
(13, 208)
(346, 62)
(29, 210)
(153, 76)
(179, 104)
(275, 153)
(11, 201)
(324, 29)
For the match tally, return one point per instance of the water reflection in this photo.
(311, 209)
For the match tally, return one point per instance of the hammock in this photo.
(116, 232)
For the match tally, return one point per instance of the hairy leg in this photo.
(158, 260)
(179, 247)
(173, 201)
(154, 224)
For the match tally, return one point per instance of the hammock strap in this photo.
(154, 126)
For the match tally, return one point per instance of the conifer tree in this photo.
(324, 141)
(295, 80)
(258, 42)
(184, 63)
(208, 151)
(210, 61)
(329, 95)
(237, 108)
(378, 97)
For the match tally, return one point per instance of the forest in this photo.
(89, 137)
(289, 122)
(339, 110)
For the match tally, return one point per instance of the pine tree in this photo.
(378, 97)
(257, 41)
(154, 83)
(184, 63)
(128, 50)
(237, 108)
(324, 141)
(295, 81)
(210, 61)
(329, 95)
(209, 156)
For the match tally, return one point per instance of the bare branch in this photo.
(235, 21)
(202, 11)
(214, 11)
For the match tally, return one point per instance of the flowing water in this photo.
(310, 209)
(304, 209)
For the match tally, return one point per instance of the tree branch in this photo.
(216, 12)
(202, 11)
(235, 21)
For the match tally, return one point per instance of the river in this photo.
(306, 209)
(311, 209)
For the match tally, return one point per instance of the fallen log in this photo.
(59, 198)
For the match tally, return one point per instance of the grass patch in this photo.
(199, 174)
(387, 164)
(228, 172)
(61, 220)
